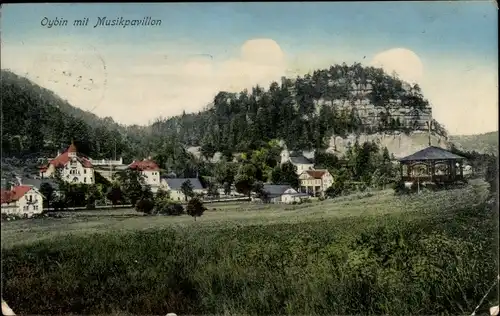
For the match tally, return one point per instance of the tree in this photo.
(114, 194)
(187, 189)
(258, 188)
(213, 190)
(195, 208)
(48, 192)
(132, 182)
(491, 175)
(145, 206)
(286, 174)
(245, 179)
(162, 194)
(94, 193)
(227, 188)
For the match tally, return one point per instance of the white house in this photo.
(173, 187)
(150, 172)
(278, 193)
(298, 160)
(74, 167)
(22, 200)
(315, 181)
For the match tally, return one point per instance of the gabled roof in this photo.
(37, 183)
(176, 183)
(300, 160)
(17, 192)
(63, 159)
(432, 153)
(316, 174)
(276, 189)
(144, 165)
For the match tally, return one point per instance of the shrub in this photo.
(145, 206)
(168, 207)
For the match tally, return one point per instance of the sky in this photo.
(136, 74)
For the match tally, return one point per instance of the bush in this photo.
(168, 207)
(145, 206)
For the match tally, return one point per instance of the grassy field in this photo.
(363, 254)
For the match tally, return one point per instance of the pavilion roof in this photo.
(432, 153)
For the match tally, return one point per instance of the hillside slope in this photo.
(310, 112)
(486, 143)
(36, 122)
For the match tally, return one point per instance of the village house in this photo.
(150, 172)
(74, 167)
(22, 200)
(37, 184)
(277, 193)
(315, 182)
(300, 162)
(174, 187)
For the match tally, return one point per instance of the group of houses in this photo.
(25, 198)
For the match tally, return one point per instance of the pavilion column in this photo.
(433, 169)
(461, 166)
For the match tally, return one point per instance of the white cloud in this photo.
(463, 94)
(137, 87)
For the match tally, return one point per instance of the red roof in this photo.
(72, 148)
(63, 159)
(15, 194)
(144, 165)
(316, 174)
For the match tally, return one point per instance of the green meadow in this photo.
(369, 253)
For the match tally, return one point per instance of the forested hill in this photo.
(306, 111)
(486, 143)
(36, 122)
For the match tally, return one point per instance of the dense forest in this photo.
(36, 122)
(304, 112)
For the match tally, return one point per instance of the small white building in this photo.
(174, 187)
(22, 200)
(298, 160)
(282, 193)
(315, 181)
(74, 167)
(150, 171)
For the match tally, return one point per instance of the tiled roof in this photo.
(72, 148)
(432, 153)
(63, 159)
(176, 183)
(316, 174)
(144, 165)
(15, 194)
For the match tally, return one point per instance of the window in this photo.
(90, 179)
(84, 171)
(36, 207)
(84, 180)
(31, 198)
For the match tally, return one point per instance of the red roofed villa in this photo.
(22, 200)
(149, 170)
(75, 168)
(315, 181)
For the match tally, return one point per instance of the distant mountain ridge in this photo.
(486, 143)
